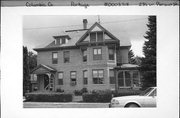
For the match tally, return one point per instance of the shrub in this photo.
(77, 92)
(60, 90)
(84, 90)
(127, 92)
(48, 97)
(98, 96)
(80, 92)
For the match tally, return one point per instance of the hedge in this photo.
(48, 97)
(97, 96)
(80, 92)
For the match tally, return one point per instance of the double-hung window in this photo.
(54, 58)
(112, 76)
(111, 53)
(66, 56)
(97, 54)
(98, 76)
(85, 77)
(73, 78)
(84, 52)
(60, 78)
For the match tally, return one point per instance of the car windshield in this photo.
(146, 92)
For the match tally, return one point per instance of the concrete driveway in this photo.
(64, 105)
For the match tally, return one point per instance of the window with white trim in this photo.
(60, 78)
(84, 52)
(111, 53)
(98, 76)
(73, 78)
(97, 54)
(54, 57)
(85, 77)
(111, 76)
(66, 56)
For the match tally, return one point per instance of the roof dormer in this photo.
(63, 39)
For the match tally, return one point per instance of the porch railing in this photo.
(47, 87)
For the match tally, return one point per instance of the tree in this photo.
(131, 57)
(32, 60)
(29, 63)
(26, 77)
(138, 60)
(148, 64)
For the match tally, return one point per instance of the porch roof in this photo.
(127, 66)
(41, 69)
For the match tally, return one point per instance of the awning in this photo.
(42, 69)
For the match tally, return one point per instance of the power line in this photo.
(81, 24)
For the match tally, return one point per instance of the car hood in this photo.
(129, 97)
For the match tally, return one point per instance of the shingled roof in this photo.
(75, 35)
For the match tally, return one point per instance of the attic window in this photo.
(96, 36)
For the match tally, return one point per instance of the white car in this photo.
(146, 99)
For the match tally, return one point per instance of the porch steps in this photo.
(77, 98)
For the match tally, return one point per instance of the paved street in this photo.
(64, 105)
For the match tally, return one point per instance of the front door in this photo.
(46, 82)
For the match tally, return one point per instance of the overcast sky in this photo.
(38, 30)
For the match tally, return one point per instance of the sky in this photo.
(38, 31)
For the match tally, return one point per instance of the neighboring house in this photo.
(91, 58)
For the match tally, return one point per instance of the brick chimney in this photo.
(85, 23)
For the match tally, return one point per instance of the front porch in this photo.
(43, 78)
(127, 76)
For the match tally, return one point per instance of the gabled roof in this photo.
(102, 28)
(41, 68)
(76, 36)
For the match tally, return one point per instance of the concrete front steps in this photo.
(77, 99)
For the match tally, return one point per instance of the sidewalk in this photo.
(64, 105)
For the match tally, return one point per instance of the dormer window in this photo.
(96, 36)
(63, 41)
(59, 40)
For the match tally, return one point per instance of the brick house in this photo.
(91, 58)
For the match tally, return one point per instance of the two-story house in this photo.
(91, 58)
